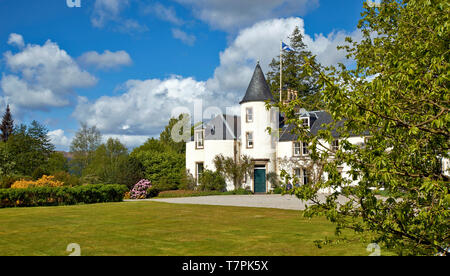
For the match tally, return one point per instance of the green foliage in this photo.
(7, 125)
(152, 192)
(6, 181)
(57, 162)
(177, 127)
(27, 149)
(86, 141)
(162, 166)
(196, 193)
(293, 76)
(188, 182)
(38, 173)
(234, 170)
(274, 179)
(51, 196)
(398, 96)
(130, 171)
(166, 183)
(211, 181)
(67, 178)
(277, 190)
(107, 161)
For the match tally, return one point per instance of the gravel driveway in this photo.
(264, 201)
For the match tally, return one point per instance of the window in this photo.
(335, 145)
(199, 169)
(249, 114)
(249, 140)
(305, 150)
(305, 177)
(297, 148)
(305, 122)
(199, 139)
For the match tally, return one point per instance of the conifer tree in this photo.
(294, 77)
(7, 125)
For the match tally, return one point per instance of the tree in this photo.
(397, 97)
(108, 161)
(175, 124)
(29, 148)
(234, 170)
(165, 169)
(7, 125)
(57, 162)
(83, 145)
(294, 77)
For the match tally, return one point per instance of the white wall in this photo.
(207, 154)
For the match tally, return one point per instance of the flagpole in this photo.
(281, 71)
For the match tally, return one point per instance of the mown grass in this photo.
(154, 228)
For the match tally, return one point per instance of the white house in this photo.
(233, 136)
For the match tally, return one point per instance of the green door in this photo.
(260, 180)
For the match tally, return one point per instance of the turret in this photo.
(256, 142)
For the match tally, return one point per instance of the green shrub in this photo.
(277, 190)
(240, 191)
(67, 178)
(166, 183)
(152, 192)
(188, 182)
(212, 181)
(51, 196)
(7, 180)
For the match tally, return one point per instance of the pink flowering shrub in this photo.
(139, 190)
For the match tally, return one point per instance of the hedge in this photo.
(52, 196)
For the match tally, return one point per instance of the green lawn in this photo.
(152, 228)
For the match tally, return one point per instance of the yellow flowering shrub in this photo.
(44, 181)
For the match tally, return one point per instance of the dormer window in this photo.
(249, 114)
(305, 122)
(199, 139)
(249, 137)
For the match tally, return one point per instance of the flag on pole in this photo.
(285, 47)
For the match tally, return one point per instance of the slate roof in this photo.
(258, 89)
(222, 127)
(318, 120)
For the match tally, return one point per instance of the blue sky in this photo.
(126, 65)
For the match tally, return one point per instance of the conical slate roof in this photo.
(258, 90)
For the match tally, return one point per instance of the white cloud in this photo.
(59, 139)
(42, 76)
(325, 47)
(232, 15)
(16, 40)
(145, 106)
(106, 60)
(164, 13)
(184, 37)
(107, 10)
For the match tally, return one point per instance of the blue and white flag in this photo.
(285, 47)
